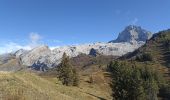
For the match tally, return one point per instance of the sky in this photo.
(28, 23)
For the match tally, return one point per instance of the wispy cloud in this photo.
(11, 47)
(53, 47)
(134, 21)
(34, 39)
(8, 47)
(57, 41)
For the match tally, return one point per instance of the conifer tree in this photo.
(76, 78)
(133, 83)
(67, 75)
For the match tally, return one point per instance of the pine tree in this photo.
(66, 74)
(76, 79)
(133, 83)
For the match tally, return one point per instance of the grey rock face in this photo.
(40, 66)
(4, 58)
(34, 55)
(20, 53)
(42, 58)
(93, 52)
(133, 34)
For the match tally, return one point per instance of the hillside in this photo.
(30, 86)
(155, 54)
(157, 49)
(147, 66)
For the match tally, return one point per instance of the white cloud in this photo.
(34, 41)
(34, 38)
(53, 47)
(57, 41)
(11, 47)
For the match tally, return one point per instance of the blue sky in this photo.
(64, 22)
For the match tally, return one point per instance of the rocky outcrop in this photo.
(133, 34)
(37, 54)
(42, 58)
(93, 52)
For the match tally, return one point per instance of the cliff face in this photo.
(133, 34)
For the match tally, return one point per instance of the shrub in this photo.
(165, 91)
(144, 57)
(167, 44)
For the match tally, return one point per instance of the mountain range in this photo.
(43, 58)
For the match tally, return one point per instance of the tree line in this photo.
(130, 82)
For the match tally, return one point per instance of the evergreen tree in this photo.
(66, 74)
(76, 79)
(133, 83)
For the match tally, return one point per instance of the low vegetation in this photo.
(30, 86)
(143, 74)
(130, 82)
(144, 57)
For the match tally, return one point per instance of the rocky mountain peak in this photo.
(133, 34)
(41, 48)
(35, 54)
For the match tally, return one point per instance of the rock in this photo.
(133, 34)
(20, 53)
(93, 52)
(39, 66)
(4, 58)
(44, 57)
(35, 54)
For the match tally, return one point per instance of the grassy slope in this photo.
(161, 55)
(11, 65)
(29, 86)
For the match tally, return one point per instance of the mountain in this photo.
(156, 53)
(133, 34)
(42, 57)
(46, 58)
